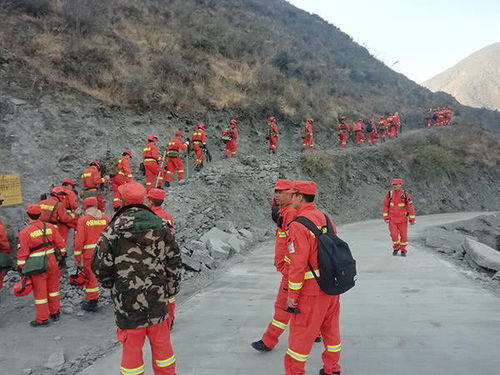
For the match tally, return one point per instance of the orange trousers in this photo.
(392, 132)
(46, 291)
(152, 170)
(171, 310)
(343, 140)
(231, 148)
(399, 235)
(198, 151)
(133, 341)
(318, 314)
(308, 141)
(92, 286)
(372, 138)
(280, 318)
(360, 137)
(273, 143)
(174, 165)
(116, 182)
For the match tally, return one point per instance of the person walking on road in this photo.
(397, 211)
(138, 259)
(313, 311)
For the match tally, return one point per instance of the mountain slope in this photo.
(474, 81)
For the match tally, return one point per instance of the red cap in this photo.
(59, 190)
(153, 138)
(271, 119)
(310, 120)
(159, 194)
(179, 133)
(201, 126)
(127, 152)
(397, 181)
(303, 187)
(132, 192)
(90, 202)
(283, 185)
(34, 209)
(69, 181)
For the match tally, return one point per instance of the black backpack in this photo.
(369, 127)
(337, 267)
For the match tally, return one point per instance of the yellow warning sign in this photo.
(10, 189)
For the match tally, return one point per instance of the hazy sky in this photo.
(425, 36)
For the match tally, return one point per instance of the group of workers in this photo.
(439, 116)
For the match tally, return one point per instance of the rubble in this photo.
(55, 360)
(482, 254)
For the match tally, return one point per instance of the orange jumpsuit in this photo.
(308, 138)
(174, 161)
(372, 135)
(273, 137)
(358, 130)
(382, 129)
(231, 145)
(54, 212)
(199, 140)
(88, 231)
(391, 125)
(4, 247)
(319, 312)
(397, 210)
(91, 180)
(45, 285)
(152, 167)
(281, 316)
(123, 176)
(168, 218)
(343, 129)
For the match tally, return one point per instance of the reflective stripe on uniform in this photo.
(171, 300)
(116, 199)
(21, 262)
(395, 242)
(149, 159)
(297, 356)
(403, 243)
(334, 348)
(166, 362)
(294, 286)
(39, 233)
(55, 294)
(77, 252)
(63, 250)
(42, 253)
(386, 214)
(401, 204)
(309, 275)
(180, 170)
(287, 260)
(91, 290)
(88, 174)
(41, 301)
(282, 234)
(391, 204)
(93, 223)
(91, 246)
(412, 216)
(279, 324)
(132, 371)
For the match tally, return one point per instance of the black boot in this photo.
(260, 346)
(167, 184)
(322, 372)
(90, 306)
(395, 252)
(172, 324)
(403, 254)
(34, 323)
(55, 317)
(318, 339)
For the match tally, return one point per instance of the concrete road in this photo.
(412, 316)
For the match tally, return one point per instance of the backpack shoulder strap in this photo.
(52, 213)
(308, 224)
(329, 225)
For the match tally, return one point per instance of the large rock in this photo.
(191, 263)
(219, 249)
(482, 254)
(55, 360)
(215, 234)
(444, 240)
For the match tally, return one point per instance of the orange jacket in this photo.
(343, 127)
(273, 129)
(303, 248)
(88, 231)
(4, 243)
(397, 208)
(382, 124)
(199, 136)
(164, 215)
(358, 126)
(32, 241)
(71, 200)
(123, 167)
(91, 178)
(281, 259)
(150, 152)
(60, 215)
(308, 131)
(174, 146)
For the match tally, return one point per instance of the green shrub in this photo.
(315, 164)
(432, 162)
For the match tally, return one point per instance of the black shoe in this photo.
(395, 252)
(167, 184)
(172, 324)
(260, 346)
(403, 254)
(322, 372)
(34, 323)
(90, 306)
(55, 317)
(318, 339)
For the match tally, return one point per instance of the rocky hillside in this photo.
(474, 81)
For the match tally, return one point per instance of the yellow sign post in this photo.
(10, 189)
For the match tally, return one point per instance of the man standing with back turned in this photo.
(314, 311)
(139, 260)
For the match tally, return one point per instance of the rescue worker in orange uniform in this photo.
(88, 231)
(123, 175)
(382, 128)
(91, 182)
(232, 133)
(358, 128)
(152, 168)
(71, 197)
(272, 134)
(155, 199)
(4, 245)
(41, 239)
(391, 125)
(372, 133)
(314, 311)
(343, 129)
(281, 317)
(174, 160)
(397, 210)
(199, 141)
(308, 138)
(54, 211)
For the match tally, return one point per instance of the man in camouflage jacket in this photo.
(138, 259)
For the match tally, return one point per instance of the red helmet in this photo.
(310, 120)
(271, 119)
(201, 126)
(127, 152)
(58, 190)
(96, 163)
(79, 278)
(179, 133)
(343, 118)
(23, 287)
(233, 122)
(152, 138)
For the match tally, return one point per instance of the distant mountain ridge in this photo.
(474, 81)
